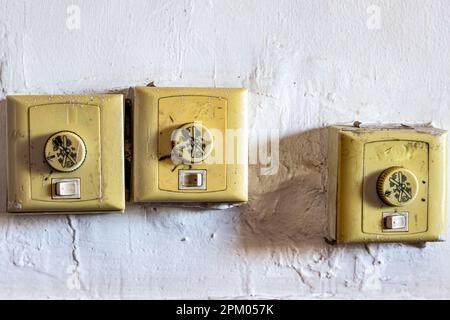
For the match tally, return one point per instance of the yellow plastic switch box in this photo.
(189, 145)
(387, 184)
(65, 153)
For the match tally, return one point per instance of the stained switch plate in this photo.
(65, 138)
(391, 172)
(177, 131)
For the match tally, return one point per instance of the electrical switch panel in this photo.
(189, 145)
(387, 184)
(65, 153)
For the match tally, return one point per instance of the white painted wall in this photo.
(307, 64)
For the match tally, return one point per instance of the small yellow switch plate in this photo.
(387, 184)
(196, 136)
(70, 139)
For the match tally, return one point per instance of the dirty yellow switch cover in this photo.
(65, 153)
(189, 145)
(387, 184)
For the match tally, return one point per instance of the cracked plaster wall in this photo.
(307, 64)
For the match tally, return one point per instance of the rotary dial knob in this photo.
(65, 151)
(397, 186)
(191, 143)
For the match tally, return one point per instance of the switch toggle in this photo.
(66, 188)
(192, 179)
(397, 221)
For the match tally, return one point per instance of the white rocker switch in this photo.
(192, 179)
(395, 222)
(66, 188)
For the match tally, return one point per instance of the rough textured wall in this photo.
(307, 64)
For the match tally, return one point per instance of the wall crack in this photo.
(74, 280)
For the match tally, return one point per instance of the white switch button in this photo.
(192, 179)
(66, 188)
(395, 222)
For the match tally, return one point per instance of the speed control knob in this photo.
(65, 151)
(397, 186)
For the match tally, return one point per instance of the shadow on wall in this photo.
(289, 207)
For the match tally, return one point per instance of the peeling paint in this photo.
(15, 204)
